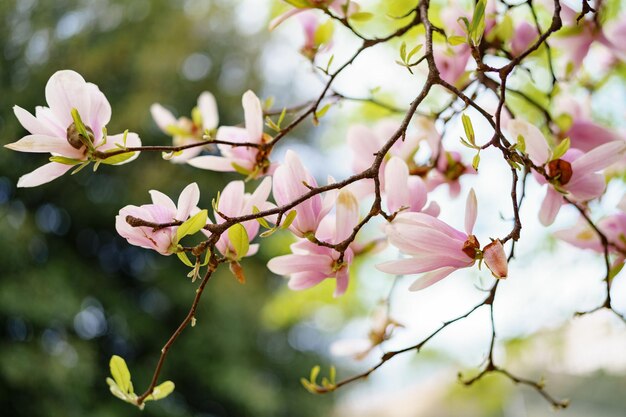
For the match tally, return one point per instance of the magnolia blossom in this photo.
(404, 191)
(309, 264)
(436, 248)
(451, 61)
(448, 170)
(161, 211)
(234, 202)
(583, 132)
(525, 34)
(239, 158)
(336, 6)
(186, 131)
(289, 180)
(583, 236)
(574, 175)
(53, 130)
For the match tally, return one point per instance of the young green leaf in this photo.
(192, 225)
(120, 373)
(476, 161)
(261, 220)
(117, 159)
(561, 148)
(291, 216)
(413, 52)
(161, 391)
(239, 240)
(361, 17)
(469, 129)
(457, 40)
(521, 143)
(324, 33)
(183, 257)
(403, 52)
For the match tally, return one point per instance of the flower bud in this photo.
(495, 259)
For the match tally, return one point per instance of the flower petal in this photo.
(187, 201)
(536, 145)
(599, 158)
(162, 200)
(31, 123)
(43, 174)
(293, 264)
(396, 188)
(471, 212)
(43, 144)
(66, 90)
(208, 110)
(550, 207)
(431, 278)
(347, 215)
(212, 163)
(417, 265)
(253, 115)
(162, 117)
(304, 280)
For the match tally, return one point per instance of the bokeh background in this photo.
(73, 293)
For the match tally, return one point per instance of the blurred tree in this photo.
(72, 292)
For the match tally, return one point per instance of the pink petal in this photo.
(587, 187)
(536, 145)
(232, 199)
(212, 163)
(304, 280)
(343, 278)
(187, 201)
(162, 200)
(599, 158)
(347, 215)
(495, 259)
(66, 90)
(418, 265)
(162, 117)
(43, 174)
(550, 207)
(253, 115)
(31, 123)
(281, 18)
(471, 212)
(44, 144)
(292, 264)
(396, 188)
(99, 110)
(208, 110)
(431, 278)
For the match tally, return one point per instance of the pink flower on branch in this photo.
(161, 211)
(573, 175)
(438, 249)
(71, 129)
(309, 264)
(187, 131)
(289, 185)
(244, 159)
(234, 202)
(337, 6)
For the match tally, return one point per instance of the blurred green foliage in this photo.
(72, 292)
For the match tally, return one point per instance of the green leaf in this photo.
(117, 159)
(324, 33)
(183, 257)
(261, 220)
(241, 170)
(314, 373)
(300, 4)
(476, 161)
(361, 16)
(239, 240)
(120, 373)
(162, 390)
(457, 40)
(268, 232)
(196, 116)
(403, 52)
(291, 216)
(65, 161)
(175, 130)
(413, 52)
(321, 112)
(469, 129)
(192, 225)
(521, 143)
(560, 149)
(477, 27)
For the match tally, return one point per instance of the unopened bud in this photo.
(495, 259)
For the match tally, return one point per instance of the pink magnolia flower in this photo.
(242, 159)
(162, 210)
(451, 61)
(436, 248)
(335, 5)
(310, 264)
(495, 259)
(234, 202)
(289, 180)
(583, 132)
(574, 175)
(186, 131)
(449, 170)
(52, 129)
(405, 191)
(524, 36)
(365, 142)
